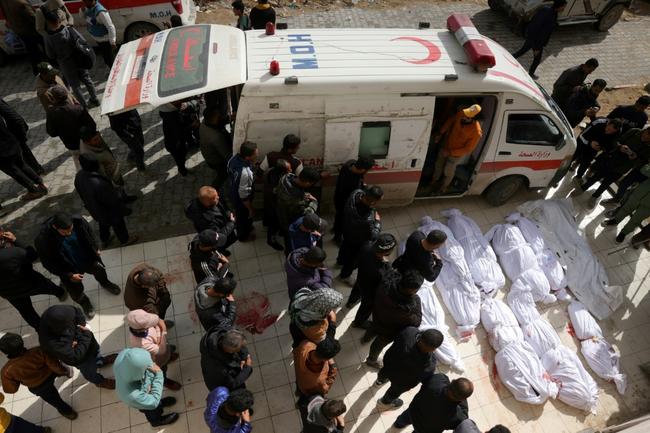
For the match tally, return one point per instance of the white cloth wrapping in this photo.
(522, 304)
(495, 312)
(585, 276)
(600, 355)
(480, 256)
(541, 336)
(455, 283)
(546, 259)
(521, 371)
(433, 317)
(503, 335)
(534, 281)
(577, 387)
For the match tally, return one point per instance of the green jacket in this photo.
(137, 386)
(640, 197)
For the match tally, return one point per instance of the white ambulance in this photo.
(351, 92)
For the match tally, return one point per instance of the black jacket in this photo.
(99, 197)
(65, 122)
(48, 244)
(596, 132)
(127, 123)
(346, 183)
(416, 257)
(630, 117)
(617, 163)
(13, 130)
(16, 269)
(360, 223)
(59, 329)
(392, 311)
(577, 104)
(259, 17)
(404, 364)
(541, 26)
(370, 271)
(213, 311)
(432, 412)
(205, 263)
(566, 82)
(216, 218)
(220, 368)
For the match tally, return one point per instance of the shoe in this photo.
(610, 201)
(108, 359)
(390, 406)
(132, 240)
(399, 425)
(365, 325)
(167, 401)
(169, 323)
(70, 415)
(88, 309)
(107, 242)
(173, 357)
(609, 222)
(347, 280)
(172, 384)
(32, 195)
(379, 383)
(275, 245)
(170, 418)
(351, 303)
(129, 198)
(140, 166)
(534, 77)
(107, 384)
(94, 103)
(620, 238)
(43, 188)
(64, 296)
(374, 363)
(112, 288)
(610, 213)
(593, 201)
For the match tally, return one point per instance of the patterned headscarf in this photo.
(311, 305)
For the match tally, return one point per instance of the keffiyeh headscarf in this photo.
(309, 305)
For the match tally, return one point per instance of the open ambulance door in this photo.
(175, 64)
(393, 130)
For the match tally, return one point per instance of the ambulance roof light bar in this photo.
(479, 55)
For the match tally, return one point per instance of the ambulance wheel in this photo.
(139, 30)
(494, 5)
(610, 18)
(502, 189)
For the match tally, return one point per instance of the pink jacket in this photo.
(145, 333)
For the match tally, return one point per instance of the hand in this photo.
(74, 343)
(246, 416)
(331, 316)
(9, 236)
(68, 372)
(319, 234)
(83, 328)
(223, 259)
(162, 326)
(340, 420)
(76, 278)
(377, 216)
(232, 216)
(590, 112)
(595, 145)
(230, 298)
(154, 368)
(309, 197)
(99, 252)
(249, 361)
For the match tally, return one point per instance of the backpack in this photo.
(82, 53)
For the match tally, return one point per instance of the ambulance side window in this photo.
(533, 129)
(375, 137)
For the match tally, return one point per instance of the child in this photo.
(323, 415)
(243, 22)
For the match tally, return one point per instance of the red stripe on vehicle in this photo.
(392, 177)
(134, 87)
(517, 80)
(74, 7)
(491, 167)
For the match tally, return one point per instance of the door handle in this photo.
(503, 152)
(414, 162)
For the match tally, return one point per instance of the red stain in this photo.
(571, 330)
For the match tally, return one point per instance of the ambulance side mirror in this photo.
(561, 142)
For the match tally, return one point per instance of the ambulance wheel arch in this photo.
(139, 29)
(502, 189)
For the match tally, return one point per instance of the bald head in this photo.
(460, 389)
(208, 196)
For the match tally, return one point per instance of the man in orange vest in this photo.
(463, 133)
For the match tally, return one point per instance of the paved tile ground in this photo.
(259, 268)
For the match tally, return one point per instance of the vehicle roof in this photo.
(340, 61)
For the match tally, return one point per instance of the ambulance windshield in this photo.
(184, 64)
(555, 107)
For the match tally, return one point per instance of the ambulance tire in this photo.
(138, 30)
(610, 18)
(501, 190)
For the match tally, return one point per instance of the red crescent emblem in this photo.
(434, 51)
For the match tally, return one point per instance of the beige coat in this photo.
(43, 92)
(108, 165)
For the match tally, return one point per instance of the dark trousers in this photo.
(243, 221)
(394, 391)
(339, 217)
(605, 179)
(377, 346)
(348, 257)
(121, 232)
(33, 45)
(365, 308)
(88, 369)
(584, 156)
(404, 419)
(134, 140)
(537, 55)
(48, 392)
(19, 425)
(153, 415)
(175, 143)
(76, 290)
(15, 167)
(29, 158)
(107, 53)
(633, 177)
(39, 285)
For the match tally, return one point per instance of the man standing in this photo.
(52, 7)
(242, 180)
(65, 335)
(102, 201)
(19, 279)
(146, 289)
(633, 116)
(239, 9)
(538, 33)
(18, 127)
(439, 405)
(600, 135)
(205, 259)
(305, 267)
(636, 206)
(47, 78)
(176, 136)
(373, 261)
(290, 147)
(462, 133)
(101, 28)
(293, 201)
(315, 367)
(362, 225)
(215, 143)
(408, 362)
(584, 103)
(207, 212)
(229, 411)
(225, 360)
(420, 254)
(350, 178)
(321, 415)
(214, 302)
(570, 80)
(306, 232)
(35, 370)
(20, 18)
(68, 249)
(261, 14)
(128, 126)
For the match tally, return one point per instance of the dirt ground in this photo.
(610, 98)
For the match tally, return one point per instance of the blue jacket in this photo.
(241, 176)
(299, 238)
(214, 401)
(137, 386)
(95, 28)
